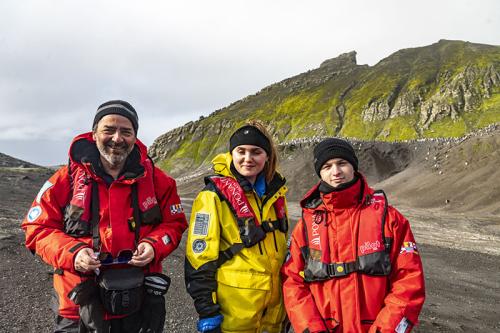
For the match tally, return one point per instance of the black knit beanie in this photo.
(249, 135)
(334, 148)
(117, 107)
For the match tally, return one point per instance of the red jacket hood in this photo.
(83, 151)
(356, 194)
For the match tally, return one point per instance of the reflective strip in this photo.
(156, 282)
(402, 326)
(117, 106)
(150, 239)
(77, 246)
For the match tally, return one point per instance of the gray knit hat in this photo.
(119, 107)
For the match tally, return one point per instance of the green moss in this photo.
(355, 127)
(447, 128)
(489, 113)
(398, 129)
(306, 105)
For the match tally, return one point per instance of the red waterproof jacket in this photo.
(47, 234)
(378, 295)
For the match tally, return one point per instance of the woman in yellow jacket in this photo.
(237, 239)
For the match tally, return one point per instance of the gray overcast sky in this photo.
(177, 60)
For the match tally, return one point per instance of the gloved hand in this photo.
(210, 324)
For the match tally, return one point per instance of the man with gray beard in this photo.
(105, 222)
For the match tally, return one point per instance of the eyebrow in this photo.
(115, 127)
(124, 129)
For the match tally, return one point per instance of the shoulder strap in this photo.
(230, 191)
(387, 240)
(137, 212)
(96, 240)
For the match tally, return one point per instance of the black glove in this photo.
(153, 311)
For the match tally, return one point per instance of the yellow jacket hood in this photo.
(222, 164)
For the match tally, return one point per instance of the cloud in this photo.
(177, 60)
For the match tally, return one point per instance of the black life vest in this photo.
(373, 247)
(82, 217)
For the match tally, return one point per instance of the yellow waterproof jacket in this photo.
(247, 288)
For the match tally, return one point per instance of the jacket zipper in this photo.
(275, 243)
(257, 200)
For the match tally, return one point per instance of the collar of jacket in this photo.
(223, 165)
(349, 197)
(83, 153)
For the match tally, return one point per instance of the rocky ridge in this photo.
(443, 90)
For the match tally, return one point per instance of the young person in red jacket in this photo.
(353, 264)
(110, 205)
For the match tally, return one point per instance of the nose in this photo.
(117, 137)
(335, 170)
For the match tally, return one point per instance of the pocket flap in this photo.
(121, 279)
(242, 279)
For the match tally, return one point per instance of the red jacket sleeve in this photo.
(299, 303)
(406, 295)
(43, 224)
(167, 235)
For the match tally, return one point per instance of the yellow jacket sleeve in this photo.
(202, 252)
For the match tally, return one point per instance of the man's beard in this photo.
(114, 158)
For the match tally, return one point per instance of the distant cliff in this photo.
(445, 89)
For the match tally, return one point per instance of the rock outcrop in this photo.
(414, 93)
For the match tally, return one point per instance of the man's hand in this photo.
(143, 255)
(86, 261)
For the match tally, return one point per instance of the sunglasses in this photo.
(124, 256)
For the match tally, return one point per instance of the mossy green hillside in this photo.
(331, 99)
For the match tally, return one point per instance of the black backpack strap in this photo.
(387, 240)
(137, 212)
(96, 241)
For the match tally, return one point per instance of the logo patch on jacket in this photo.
(370, 247)
(409, 247)
(149, 202)
(165, 239)
(176, 209)
(201, 222)
(34, 213)
(199, 245)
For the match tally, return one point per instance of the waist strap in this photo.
(342, 268)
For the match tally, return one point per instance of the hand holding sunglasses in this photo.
(86, 260)
(123, 257)
(143, 255)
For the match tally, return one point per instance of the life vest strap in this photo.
(229, 253)
(339, 269)
(270, 226)
(94, 206)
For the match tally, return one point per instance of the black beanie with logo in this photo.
(119, 107)
(334, 148)
(249, 135)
